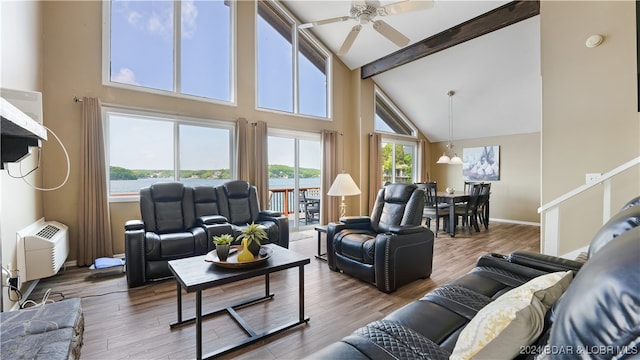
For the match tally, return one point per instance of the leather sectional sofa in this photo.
(597, 314)
(180, 221)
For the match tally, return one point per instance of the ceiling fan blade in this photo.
(323, 22)
(390, 33)
(405, 6)
(351, 37)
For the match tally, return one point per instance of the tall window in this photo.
(399, 158)
(293, 69)
(398, 161)
(294, 175)
(146, 148)
(389, 119)
(181, 46)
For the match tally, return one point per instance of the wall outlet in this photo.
(591, 177)
(14, 282)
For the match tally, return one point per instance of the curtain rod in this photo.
(77, 99)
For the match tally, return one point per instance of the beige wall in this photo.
(516, 196)
(590, 117)
(21, 62)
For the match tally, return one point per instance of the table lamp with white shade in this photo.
(343, 186)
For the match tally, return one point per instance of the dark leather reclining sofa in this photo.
(180, 221)
(598, 316)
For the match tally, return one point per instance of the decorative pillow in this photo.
(515, 319)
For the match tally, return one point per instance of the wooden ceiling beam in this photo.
(493, 20)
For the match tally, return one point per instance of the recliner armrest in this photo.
(403, 230)
(270, 213)
(543, 262)
(134, 249)
(212, 219)
(133, 225)
(282, 223)
(355, 220)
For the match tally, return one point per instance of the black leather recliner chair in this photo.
(171, 228)
(391, 247)
(238, 202)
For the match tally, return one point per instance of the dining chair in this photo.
(468, 185)
(469, 210)
(433, 209)
(482, 214)
(311, 208)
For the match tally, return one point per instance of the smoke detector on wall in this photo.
(594, 41)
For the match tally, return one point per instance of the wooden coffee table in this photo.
(194, 275)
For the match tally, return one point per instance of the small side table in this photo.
(321, 229)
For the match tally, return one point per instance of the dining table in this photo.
(457, 198)
(452, 199)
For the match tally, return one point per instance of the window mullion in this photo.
(393, 162)
(296, 79)
(177, 46)
(176, 150)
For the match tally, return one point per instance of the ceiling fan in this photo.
(365, 12)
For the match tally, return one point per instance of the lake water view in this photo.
(134, 186)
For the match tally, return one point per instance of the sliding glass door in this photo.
(294, 176)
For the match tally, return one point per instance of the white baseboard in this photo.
(574, 254)
(515, 222)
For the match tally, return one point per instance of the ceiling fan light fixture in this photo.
(365, 12)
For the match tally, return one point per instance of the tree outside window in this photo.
(398, 162)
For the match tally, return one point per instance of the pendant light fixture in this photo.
(445, 159)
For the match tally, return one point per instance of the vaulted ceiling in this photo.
(496, 77)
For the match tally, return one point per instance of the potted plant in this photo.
(222, 243)
(253, 234)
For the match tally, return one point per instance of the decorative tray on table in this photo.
(232, 260)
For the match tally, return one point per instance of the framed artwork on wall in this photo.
(481, 163)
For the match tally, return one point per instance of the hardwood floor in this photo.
(134, 324)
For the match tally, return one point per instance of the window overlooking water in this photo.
(294, 167)
(145, 148)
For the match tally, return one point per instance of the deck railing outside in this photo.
(283, 199)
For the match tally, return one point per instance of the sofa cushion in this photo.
(390, 340)
(205, 200)
(163, 207)
(356, 244)
(513, 320)
(624, 220)
(599, 314)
